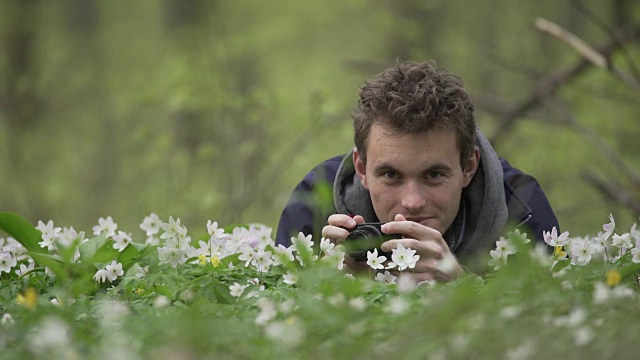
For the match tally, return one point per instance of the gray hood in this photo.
(483, 213)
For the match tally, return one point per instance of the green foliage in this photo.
(21, 229)
(189, 311)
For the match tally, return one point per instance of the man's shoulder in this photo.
(334, 162)
(508, 169)
(515, 176)
(526, 201)
(326, 170)
(330, 165)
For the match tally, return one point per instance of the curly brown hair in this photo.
(414, 98)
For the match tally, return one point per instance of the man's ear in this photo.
(361, 168)
(471, 167)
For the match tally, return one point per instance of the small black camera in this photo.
(366, 237)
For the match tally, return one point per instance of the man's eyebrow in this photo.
(383, 166)
(437, 166)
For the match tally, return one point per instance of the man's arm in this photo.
(308, 209)
(527, 203)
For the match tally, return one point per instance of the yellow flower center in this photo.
(29, 299)
(613, 277)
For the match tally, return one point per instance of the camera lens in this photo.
(366, 232)
(365, 237)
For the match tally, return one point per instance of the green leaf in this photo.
(26, 234)
(164, 290)
(233, 258)
(105, 253)
(221, 293)
(128, 256)
(22, 230)
(88, 249)
(560, 264)
(632, 268)
(53, 262)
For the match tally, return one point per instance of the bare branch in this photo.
(585, 50)
(550, 84)
(602, 25)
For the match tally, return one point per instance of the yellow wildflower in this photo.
(559, 252)
(613, 277)
(202, 258)
(215, 261)
(29, 299)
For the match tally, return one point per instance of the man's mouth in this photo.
(420, 219)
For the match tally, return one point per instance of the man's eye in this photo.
(390, 175)
(435, 175)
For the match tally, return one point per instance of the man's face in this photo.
(418, 176)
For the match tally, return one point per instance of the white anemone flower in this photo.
(403, 258)
(7, 261)
(498, 259)
(610, 227)
(375, 261)
(236, 289)
(105, 225)
(290, 277)
(635, 254)
(173, 229)
(115, 269)
(623, 240)
(262, 260)
(326, 246)
(103, 276)
(213, 230)
(552, 238)
(69, 235)
(24, 270)
(171, 255)
(282, 254)
(581, 251)
(151, 224)
(121, 241)
(7, 320)
(49, 234)
(386, 277)
(505, 246)
(302, 242)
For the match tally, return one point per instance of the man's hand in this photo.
(337, 231)
(436, 260)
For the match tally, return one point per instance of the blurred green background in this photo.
(216, 109)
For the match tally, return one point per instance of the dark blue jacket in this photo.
(312, 202)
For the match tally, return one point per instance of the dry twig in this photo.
(586, 51)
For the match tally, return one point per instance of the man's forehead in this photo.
(379, 129)
(402, 149)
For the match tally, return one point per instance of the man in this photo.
(421, 166)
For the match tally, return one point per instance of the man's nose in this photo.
(412, 198)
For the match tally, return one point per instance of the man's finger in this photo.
(342, 220)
